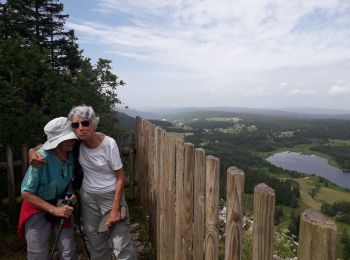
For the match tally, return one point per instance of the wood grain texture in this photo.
(188, 200)
(179, 206)
(169, 186)
(317, 236)
(234, 213)
(10, 180)
(264, 211)
(212, 208)
(161, 197)
(199, 204)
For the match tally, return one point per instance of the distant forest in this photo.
(240, 139)
(43, 72)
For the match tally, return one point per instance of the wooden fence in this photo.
(9, 165)
(178, 187)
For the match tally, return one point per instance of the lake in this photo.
(310, 164)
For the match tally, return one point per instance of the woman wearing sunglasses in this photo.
(102, 188)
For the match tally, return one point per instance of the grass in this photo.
(310, 202)
(330, 195)
(180, 136)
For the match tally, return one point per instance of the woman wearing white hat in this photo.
(42, 186)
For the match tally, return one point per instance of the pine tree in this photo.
(43, 73)
(41, 22)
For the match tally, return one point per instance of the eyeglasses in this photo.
(84, 123)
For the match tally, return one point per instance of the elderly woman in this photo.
(102, 189)
(42, 186)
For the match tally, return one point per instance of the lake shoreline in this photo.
(310, 164)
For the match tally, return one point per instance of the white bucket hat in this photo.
(57, 131)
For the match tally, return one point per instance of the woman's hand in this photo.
(114, 217)
(35, 159)
(63, 211)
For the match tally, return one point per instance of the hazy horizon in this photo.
(281, 110)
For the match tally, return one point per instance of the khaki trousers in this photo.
(117, 240)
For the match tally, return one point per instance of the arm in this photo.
(34, 157)
(62, 211)
(114, 216)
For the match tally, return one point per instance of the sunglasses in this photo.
(84, 123)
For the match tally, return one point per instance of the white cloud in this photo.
(339, 90)
(225, 36)
(248, 53)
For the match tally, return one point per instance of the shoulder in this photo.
(107, 140)
(110, 140)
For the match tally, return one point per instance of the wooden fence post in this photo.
(234, 213)
(179, 206)
(11, 180)
(264, 211)
(157, 171)
(24, 152)
(170, 197)
(162, 199)
(151, 187)
(188, 200)
(199, 204)
(317, 236)
(212, 208)
(146, 177)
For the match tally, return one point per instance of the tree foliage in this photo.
(43, 73)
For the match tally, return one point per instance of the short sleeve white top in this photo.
(99, 165)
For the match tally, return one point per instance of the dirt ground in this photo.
(12, 248)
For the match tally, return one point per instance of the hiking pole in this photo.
(78, 224)
(83, 239)
(68, 202)
(82, 236)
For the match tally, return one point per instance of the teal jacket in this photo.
(50, 180)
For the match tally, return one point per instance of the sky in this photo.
(207, 53)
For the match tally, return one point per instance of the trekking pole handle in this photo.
(69, 202)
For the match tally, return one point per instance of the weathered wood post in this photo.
(179, 207)
(264, 211)
(160, 135)
(212, 208)
(24, 152)
(234, 213)
(169, 186)
(151, 187)
(188, 200)
(10, 180)
(199, 204)
(317, 236)
(148, 166)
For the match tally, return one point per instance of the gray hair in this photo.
(84, 112)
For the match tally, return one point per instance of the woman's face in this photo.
(83, 128)
(66, 146)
